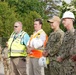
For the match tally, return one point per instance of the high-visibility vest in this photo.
(15, 48)
(36, 52)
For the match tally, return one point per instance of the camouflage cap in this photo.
(55, 18)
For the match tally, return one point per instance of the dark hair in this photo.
(40, 21)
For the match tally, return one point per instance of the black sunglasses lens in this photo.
(15, 26)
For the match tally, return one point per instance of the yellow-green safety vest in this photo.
(15, 48)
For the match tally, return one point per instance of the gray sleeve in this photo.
(43, 37)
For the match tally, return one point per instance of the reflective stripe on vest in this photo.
(15, 47)
(37, 53)
(17, 51)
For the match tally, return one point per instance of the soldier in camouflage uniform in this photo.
(53, 45)
(67, 49)
(0, 52)
(6, 60)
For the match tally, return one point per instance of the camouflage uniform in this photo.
(0, 52)
(53, 44)
(66, 51)
(6, 61)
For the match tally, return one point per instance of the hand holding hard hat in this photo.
(45, 53)
(43, 61)
(73, 58)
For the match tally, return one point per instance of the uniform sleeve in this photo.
(25, 39)
(64, 50)
(54, 43)
(67, 45)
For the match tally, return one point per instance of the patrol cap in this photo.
(55, 18)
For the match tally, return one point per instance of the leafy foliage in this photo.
(25, 6)
(25, 11)
(7, 17)
(65, 7)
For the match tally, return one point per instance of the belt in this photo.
(17, 57)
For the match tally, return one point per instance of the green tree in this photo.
(25, 6)
(52, 7)
(65, 7)
(7, 19)
(46, 27)
(25, 11)
(28, 21)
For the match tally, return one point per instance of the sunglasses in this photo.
(15, 26)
